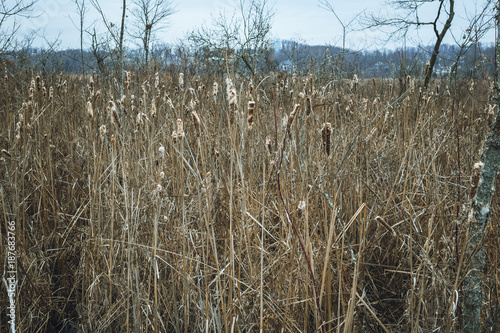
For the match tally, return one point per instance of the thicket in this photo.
(163, 210)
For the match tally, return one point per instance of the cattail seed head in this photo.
(113, 114)
(179, 134)
(215, 89)
(102, 130)
(90, 111)
(427, 67)
(326, 132)
(300, 208)
(127, 80)
(153, 108)
(196, 120)
(476, 174)
(251, 107)
(292, 117)
(308, 106)
(269, 145)
(38, 83)
(162, 151)
(181, 80)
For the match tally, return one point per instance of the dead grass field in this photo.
(125, 224)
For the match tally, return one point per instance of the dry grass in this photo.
(115, 233)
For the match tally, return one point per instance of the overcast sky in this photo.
(302, 20)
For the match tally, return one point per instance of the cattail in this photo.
(292, 117)
(127, 80)
(161, 175)
(308, 106)
(162, 151)
(18, 128)
(102, 130)
(326, 132)
(229, 86)
(181, 80)
(355, 82)
(300, 208)
(44, 91)
(157, 80)
(269, 145)
(139, 119)
(153, 108)
(476, 173)
(90, 111)
(427, 67)
(215, 89)
(471, 85)
(38, 83)
(251, 107)
(179, 134)
(113, 114)
(65, 87)
(196, 120)
(233, 106)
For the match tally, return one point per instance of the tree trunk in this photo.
(122, 31)
(439, 40)
(479, 214)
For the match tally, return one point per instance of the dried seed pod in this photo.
(196, 120)
(269, 145)
(179, 134)
(113, 114)
(308, 106)
(427, 67)
(153, 108)
(90, 111)
(476, 173)
(181, 80)
(300, 208)
(292, 117)
(251, 107)
(215, 89)
(326, 132)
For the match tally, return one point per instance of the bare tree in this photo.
(81, 10)
(486, 172)
(117, 36)
(406, 16)
(346, 26)
(150, 16)
(10, 10)
(244, 36)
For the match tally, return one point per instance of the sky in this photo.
(301, 20)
